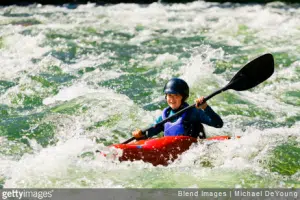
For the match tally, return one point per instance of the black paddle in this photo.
(255, 72)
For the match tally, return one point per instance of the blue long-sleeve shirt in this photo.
(194, 115)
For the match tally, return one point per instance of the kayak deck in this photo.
(159, 151)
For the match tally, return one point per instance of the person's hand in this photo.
(199, 104)
(137, 133)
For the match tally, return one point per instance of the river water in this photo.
(77, 79)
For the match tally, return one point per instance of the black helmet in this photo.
(177, 86)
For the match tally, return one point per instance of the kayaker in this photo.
(190, 122)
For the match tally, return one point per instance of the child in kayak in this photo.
(190, 122)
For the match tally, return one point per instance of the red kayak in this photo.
(158, 151)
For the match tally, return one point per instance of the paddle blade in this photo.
(254, 73)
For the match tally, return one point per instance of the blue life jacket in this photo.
(173, 128)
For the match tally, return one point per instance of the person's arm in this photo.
(154, 130)
(209, 117)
